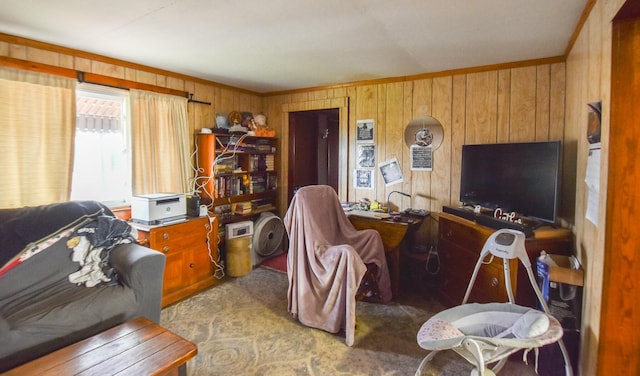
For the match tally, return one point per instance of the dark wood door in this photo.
(313, 149)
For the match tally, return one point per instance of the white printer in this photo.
(159, 208)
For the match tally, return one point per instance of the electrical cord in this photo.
(199, 186)
(219, 268)
(433, 253)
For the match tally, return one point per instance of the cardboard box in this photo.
(561, 280)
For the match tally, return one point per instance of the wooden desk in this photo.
(137, 347)
(392, 234)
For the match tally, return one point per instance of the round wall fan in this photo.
(425, 131)
(268, 232)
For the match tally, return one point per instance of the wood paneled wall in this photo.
(523, 103)
(589, 80)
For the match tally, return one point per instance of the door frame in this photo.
(342, 104)
(619, 331)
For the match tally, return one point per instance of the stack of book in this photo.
(263, 145)
(226, 164)
(261, 205)
(243, 208)
(270, 162)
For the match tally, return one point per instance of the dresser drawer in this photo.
(463, 235)
(456, 255)
(455, 275)
(179, 235)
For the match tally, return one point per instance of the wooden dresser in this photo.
(189, 268)
(459, 244)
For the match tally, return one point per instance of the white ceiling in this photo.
(274, 45)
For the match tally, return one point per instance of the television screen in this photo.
(515, 177)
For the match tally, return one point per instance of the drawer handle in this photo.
(494, 282)
(165, 249)
(165, 235)
(192, 266)
(449, 233)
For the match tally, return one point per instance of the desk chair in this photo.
(486, 334)
(327, 261)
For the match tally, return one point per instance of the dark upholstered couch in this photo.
(42, 309)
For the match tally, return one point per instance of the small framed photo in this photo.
(366, 156)
(421, 158)
(593, 125)
(363, 179)
(391, 172)
(365, 130)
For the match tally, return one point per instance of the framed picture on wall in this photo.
(391, 172)
(366, 156)
(363, 179)
(365, 130)
(593, 125)
(421, 158)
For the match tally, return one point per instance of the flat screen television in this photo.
(519, 177)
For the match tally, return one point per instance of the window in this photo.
(102, 159)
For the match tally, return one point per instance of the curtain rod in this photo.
(191, 100)
(81, 79)
(119, 83)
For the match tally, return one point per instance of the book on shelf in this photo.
(270, 162)
(243, 208)
(259, 163)
(272, 182)
(231, 185)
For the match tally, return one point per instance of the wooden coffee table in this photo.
(137, 347)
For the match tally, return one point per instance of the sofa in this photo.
(69, 271)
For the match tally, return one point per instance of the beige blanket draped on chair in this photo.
(326, 261)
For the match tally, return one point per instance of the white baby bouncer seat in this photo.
(486, 334)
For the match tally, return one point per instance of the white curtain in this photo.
(159, 143)
(37, 129)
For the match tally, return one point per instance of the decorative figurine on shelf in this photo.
(235, 118)
(260, 119)
(262, 129)
(253, 128)
(247, 118)
(221, 121)
(221, 124)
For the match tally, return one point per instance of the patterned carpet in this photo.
(242, 327)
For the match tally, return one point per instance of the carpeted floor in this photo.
(242, 327)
